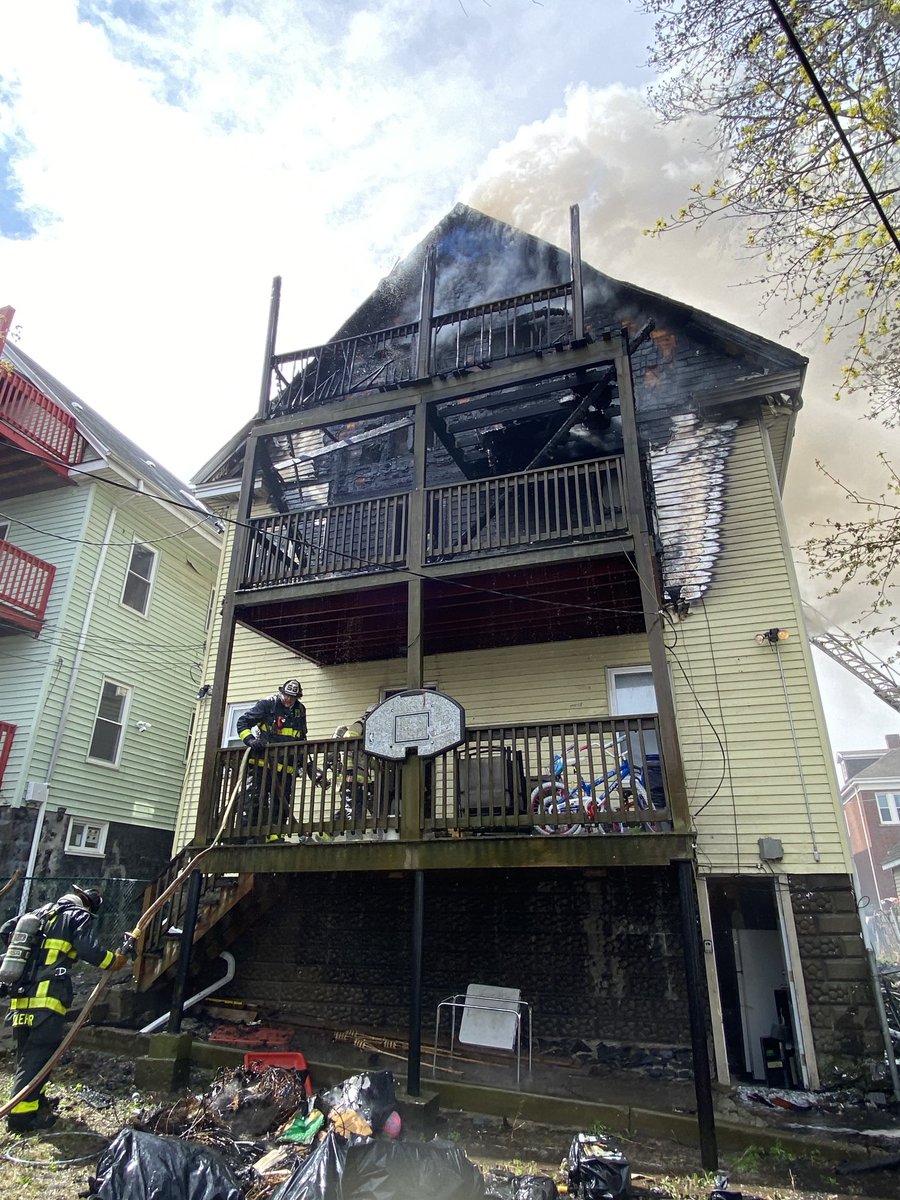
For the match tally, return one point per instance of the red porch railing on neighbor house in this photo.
(26, 410)
(25, 583)
(7, 733)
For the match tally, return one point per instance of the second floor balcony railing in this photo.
(551, 506)
(26, 410)
(600, 776)
(25, 583)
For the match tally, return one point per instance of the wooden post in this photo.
(426, 311)
(265, 384)
(577, 280)
(645, 565)
(414, 1053)
(219, 692)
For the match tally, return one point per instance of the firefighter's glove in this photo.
(120, 961)
(4, 990)
(254, 743)
(129, 946)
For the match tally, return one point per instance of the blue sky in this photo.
(161, 162)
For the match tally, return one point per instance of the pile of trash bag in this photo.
(598, 1170)
(261, 1136)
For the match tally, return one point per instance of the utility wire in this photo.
(356, 558)
(833, 118)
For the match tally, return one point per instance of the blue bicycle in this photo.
(620, 789)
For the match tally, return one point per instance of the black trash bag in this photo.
(500, 1185)
(503, 1185)
(319, 1176)
(535, 1187)
(370, 1094)
(142, 1166)
(598, 1170)
(362, 1169)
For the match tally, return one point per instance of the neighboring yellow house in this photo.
(555, 498)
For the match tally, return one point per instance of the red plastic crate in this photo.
(292, 1059)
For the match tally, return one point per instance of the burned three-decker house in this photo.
(554, 498)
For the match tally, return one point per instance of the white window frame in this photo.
(122, 723)
(230, 737)
(888, 803)
(149, 580)
(85, 824)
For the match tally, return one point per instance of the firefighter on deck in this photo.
(41, 998)
(278, 718)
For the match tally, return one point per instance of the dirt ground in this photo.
(97, 1098)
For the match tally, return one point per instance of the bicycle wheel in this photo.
(553, 799)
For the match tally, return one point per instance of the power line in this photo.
(356, 558)
(833, 118)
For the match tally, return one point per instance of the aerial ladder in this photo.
(866, 666)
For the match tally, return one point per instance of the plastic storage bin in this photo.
(291, 1059)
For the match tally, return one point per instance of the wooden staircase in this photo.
(226, 906)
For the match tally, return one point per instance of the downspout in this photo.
(67, 704)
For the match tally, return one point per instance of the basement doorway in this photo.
(759, 1023)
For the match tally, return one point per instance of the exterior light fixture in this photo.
(771, 637)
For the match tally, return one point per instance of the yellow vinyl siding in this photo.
(755, 790)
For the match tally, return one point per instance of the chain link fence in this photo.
(122, 901)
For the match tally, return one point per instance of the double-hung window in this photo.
(139, 578)
(888, 807)
(109, 723)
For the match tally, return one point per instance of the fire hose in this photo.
(106, 977)
(11, 882)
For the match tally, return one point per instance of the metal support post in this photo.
(697, 1013)
(414, 1059)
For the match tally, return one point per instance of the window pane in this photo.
(141, 562)
(105, 742)
(112, 702)
(634, 692)
(92, 837)
(76, 837)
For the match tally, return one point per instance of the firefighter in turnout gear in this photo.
(278, 718)
(41, 996)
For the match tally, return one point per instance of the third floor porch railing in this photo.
(26, 410)
(551, 506)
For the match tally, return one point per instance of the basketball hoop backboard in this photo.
(428, 722)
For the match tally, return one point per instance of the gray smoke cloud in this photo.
(605, 150)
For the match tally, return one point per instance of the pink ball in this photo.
(392, 1125)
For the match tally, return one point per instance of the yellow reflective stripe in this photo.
(294, 733)
(106, 960)
(26, 1106)
(245, 734)
(38, 1002)
(59, 944)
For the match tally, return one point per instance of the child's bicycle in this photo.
(616, 788)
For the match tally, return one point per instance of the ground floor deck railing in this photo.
(601, 776)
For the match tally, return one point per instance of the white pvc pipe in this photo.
(213, 987)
